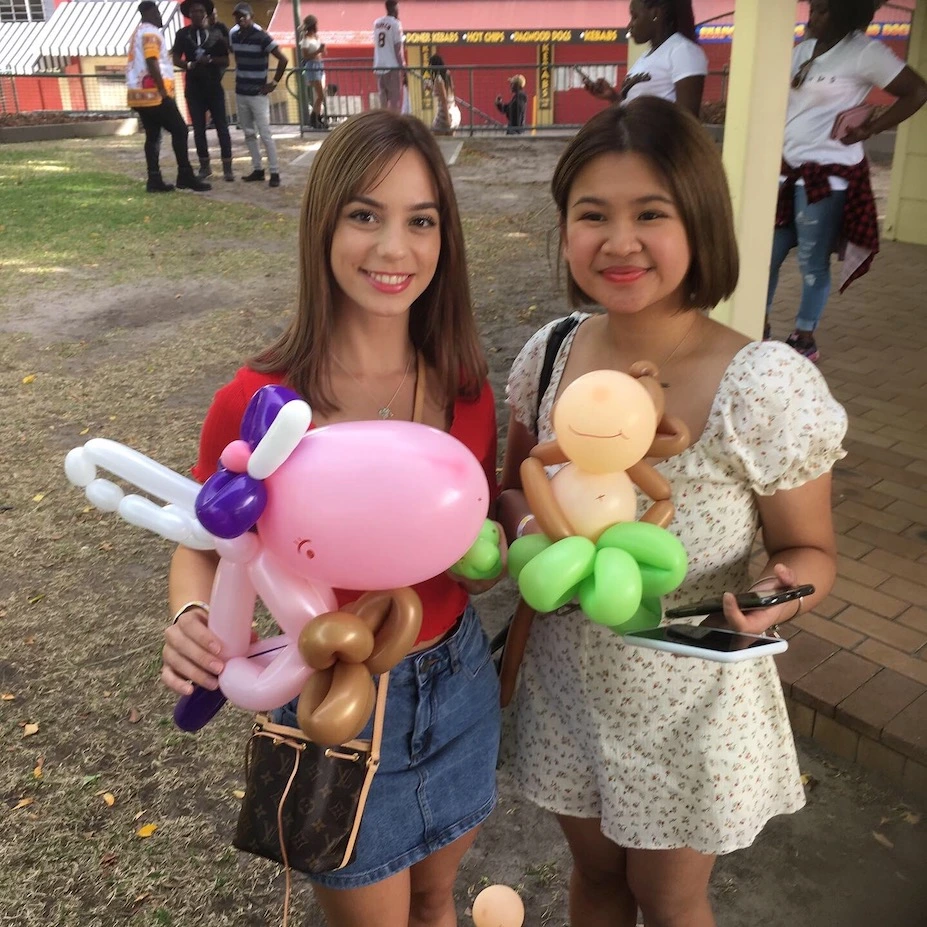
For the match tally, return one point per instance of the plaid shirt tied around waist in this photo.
(858, 241)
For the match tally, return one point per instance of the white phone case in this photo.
(775, 645)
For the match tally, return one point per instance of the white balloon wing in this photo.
(175, 521)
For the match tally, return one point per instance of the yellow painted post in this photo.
(906, 215)
(545, 95)
(753, 133)
(415, 62)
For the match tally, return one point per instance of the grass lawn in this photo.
(63, 218)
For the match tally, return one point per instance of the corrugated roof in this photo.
(19, 49)
(99, 28)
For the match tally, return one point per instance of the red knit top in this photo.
(473, 424)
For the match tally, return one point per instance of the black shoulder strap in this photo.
(557, 337)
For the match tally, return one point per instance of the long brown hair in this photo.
(674, 143)
(441, 322)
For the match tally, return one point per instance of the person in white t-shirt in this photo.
(388, 57)
(675, 67)
(826, 200)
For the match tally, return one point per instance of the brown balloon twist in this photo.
(346, 649)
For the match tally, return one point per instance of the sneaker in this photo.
(157, 185)
(805, 345)
(192, 182)
(254, 175)
(274, 180)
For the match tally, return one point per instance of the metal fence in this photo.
(351, 87)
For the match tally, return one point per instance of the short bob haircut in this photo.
(848, 16)
(679, 149)
(356, 155)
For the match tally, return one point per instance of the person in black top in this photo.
(202, 51)
(516, 107)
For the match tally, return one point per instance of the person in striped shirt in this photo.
(253, 47)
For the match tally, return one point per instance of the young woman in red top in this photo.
(384, 304)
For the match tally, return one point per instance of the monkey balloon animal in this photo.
(293, 513)
(606, 423)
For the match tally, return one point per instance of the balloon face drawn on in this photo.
(293, 514)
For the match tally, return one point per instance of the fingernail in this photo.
(216, 666)
(215, 647)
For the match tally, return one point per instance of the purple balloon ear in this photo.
(263, 408)
(229, 504)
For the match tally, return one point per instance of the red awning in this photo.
(350, 22)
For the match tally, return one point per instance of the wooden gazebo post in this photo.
(753, 133)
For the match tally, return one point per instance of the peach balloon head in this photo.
(498, 906)
(605, 421)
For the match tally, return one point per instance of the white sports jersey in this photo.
(387, 43)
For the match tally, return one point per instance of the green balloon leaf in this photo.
(661, 557)
(524, 550)
(551, 578)
(612, 594)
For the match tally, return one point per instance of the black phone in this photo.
(745, 602)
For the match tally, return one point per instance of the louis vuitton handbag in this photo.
(303, 803)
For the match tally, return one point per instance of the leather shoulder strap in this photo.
(557, 336)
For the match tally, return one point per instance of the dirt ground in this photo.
(90, 755)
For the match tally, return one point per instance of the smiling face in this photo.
(623, 236)
(387, 241)
(605, 421)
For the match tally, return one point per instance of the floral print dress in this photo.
(669, 751)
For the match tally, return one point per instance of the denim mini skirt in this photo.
(437, 773)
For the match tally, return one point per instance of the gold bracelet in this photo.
(520, 530)
(189, 606)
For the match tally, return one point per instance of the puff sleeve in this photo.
(781, 427)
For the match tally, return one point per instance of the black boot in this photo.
(205, 169)
(255, 175)
(227, 172)
(187, 180)
(156, 184)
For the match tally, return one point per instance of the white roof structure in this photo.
(98, 28)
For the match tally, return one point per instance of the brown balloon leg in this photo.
(515, 643)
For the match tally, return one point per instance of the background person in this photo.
(202, 52)
(447, 112)
(516, 108)
(675, 66)
(655, 764)
(389, 57)
(150, 92)
(313, 50)
(253, 47)
(825, 198)
(380, 205)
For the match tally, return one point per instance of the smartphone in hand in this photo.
(746, 601)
